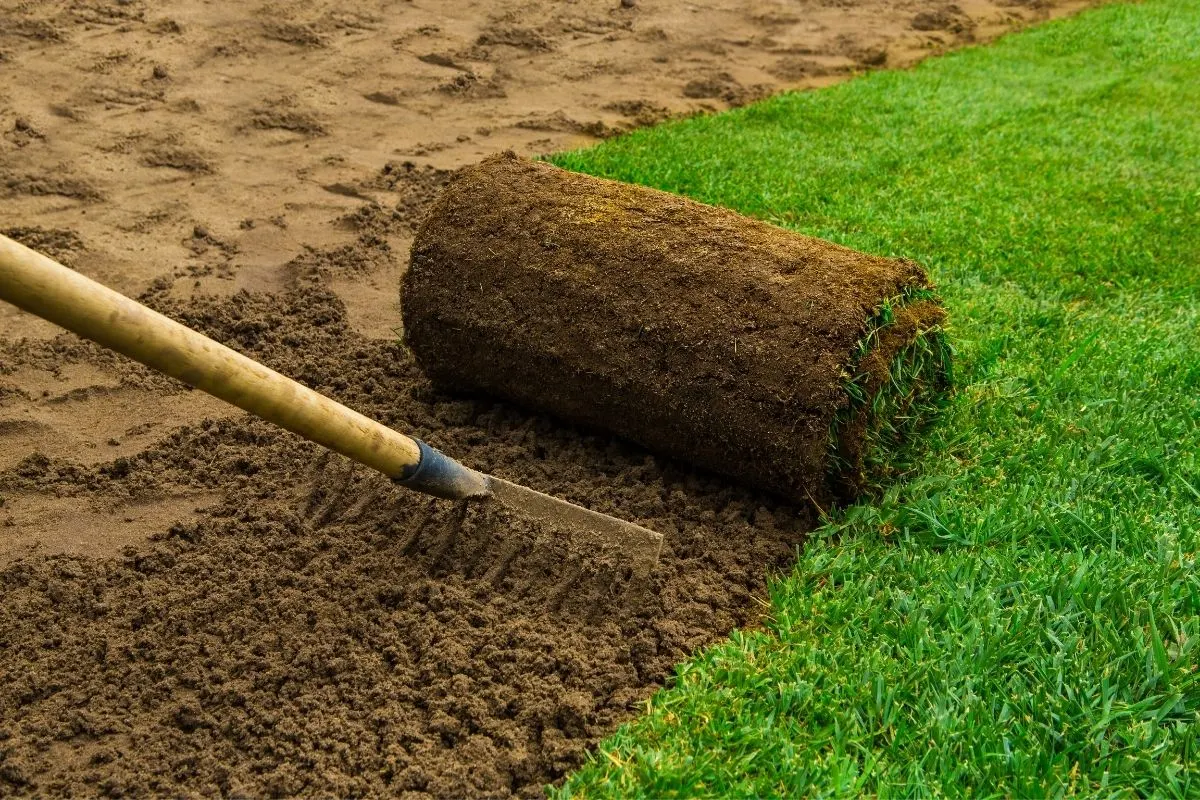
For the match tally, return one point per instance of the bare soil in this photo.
(317, 629)
(194, 602)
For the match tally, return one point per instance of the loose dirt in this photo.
(194, 602)
(316, 630)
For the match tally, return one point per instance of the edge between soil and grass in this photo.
(1016, 614)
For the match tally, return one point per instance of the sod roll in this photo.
(779, 360)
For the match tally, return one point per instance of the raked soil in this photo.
(317, 630)
(192, 602)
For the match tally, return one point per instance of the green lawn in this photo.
(1019, 616)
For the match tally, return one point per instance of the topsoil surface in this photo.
(196, 602)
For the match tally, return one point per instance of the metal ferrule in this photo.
(440, 475)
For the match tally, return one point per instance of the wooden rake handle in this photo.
(42, 286)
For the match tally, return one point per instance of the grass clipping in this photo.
(898, 381)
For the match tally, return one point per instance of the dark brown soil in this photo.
(698, 332)
(318, 632)
(61, 245)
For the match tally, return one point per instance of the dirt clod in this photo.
(56, 182)
(947, 18)
(58, 243)
(284, 115)
(178, 157)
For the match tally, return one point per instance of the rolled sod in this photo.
(779, 360)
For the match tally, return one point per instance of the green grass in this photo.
(1018, 614)
(914, 394)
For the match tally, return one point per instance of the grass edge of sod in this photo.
(890, 402)
(1018, 615)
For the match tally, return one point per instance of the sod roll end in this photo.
(779, 360)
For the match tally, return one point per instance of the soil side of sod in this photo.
(698, 332)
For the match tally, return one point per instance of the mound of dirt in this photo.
(61, 245)
(322, 631)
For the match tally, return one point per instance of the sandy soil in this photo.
(194, 602)
(210, 145)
